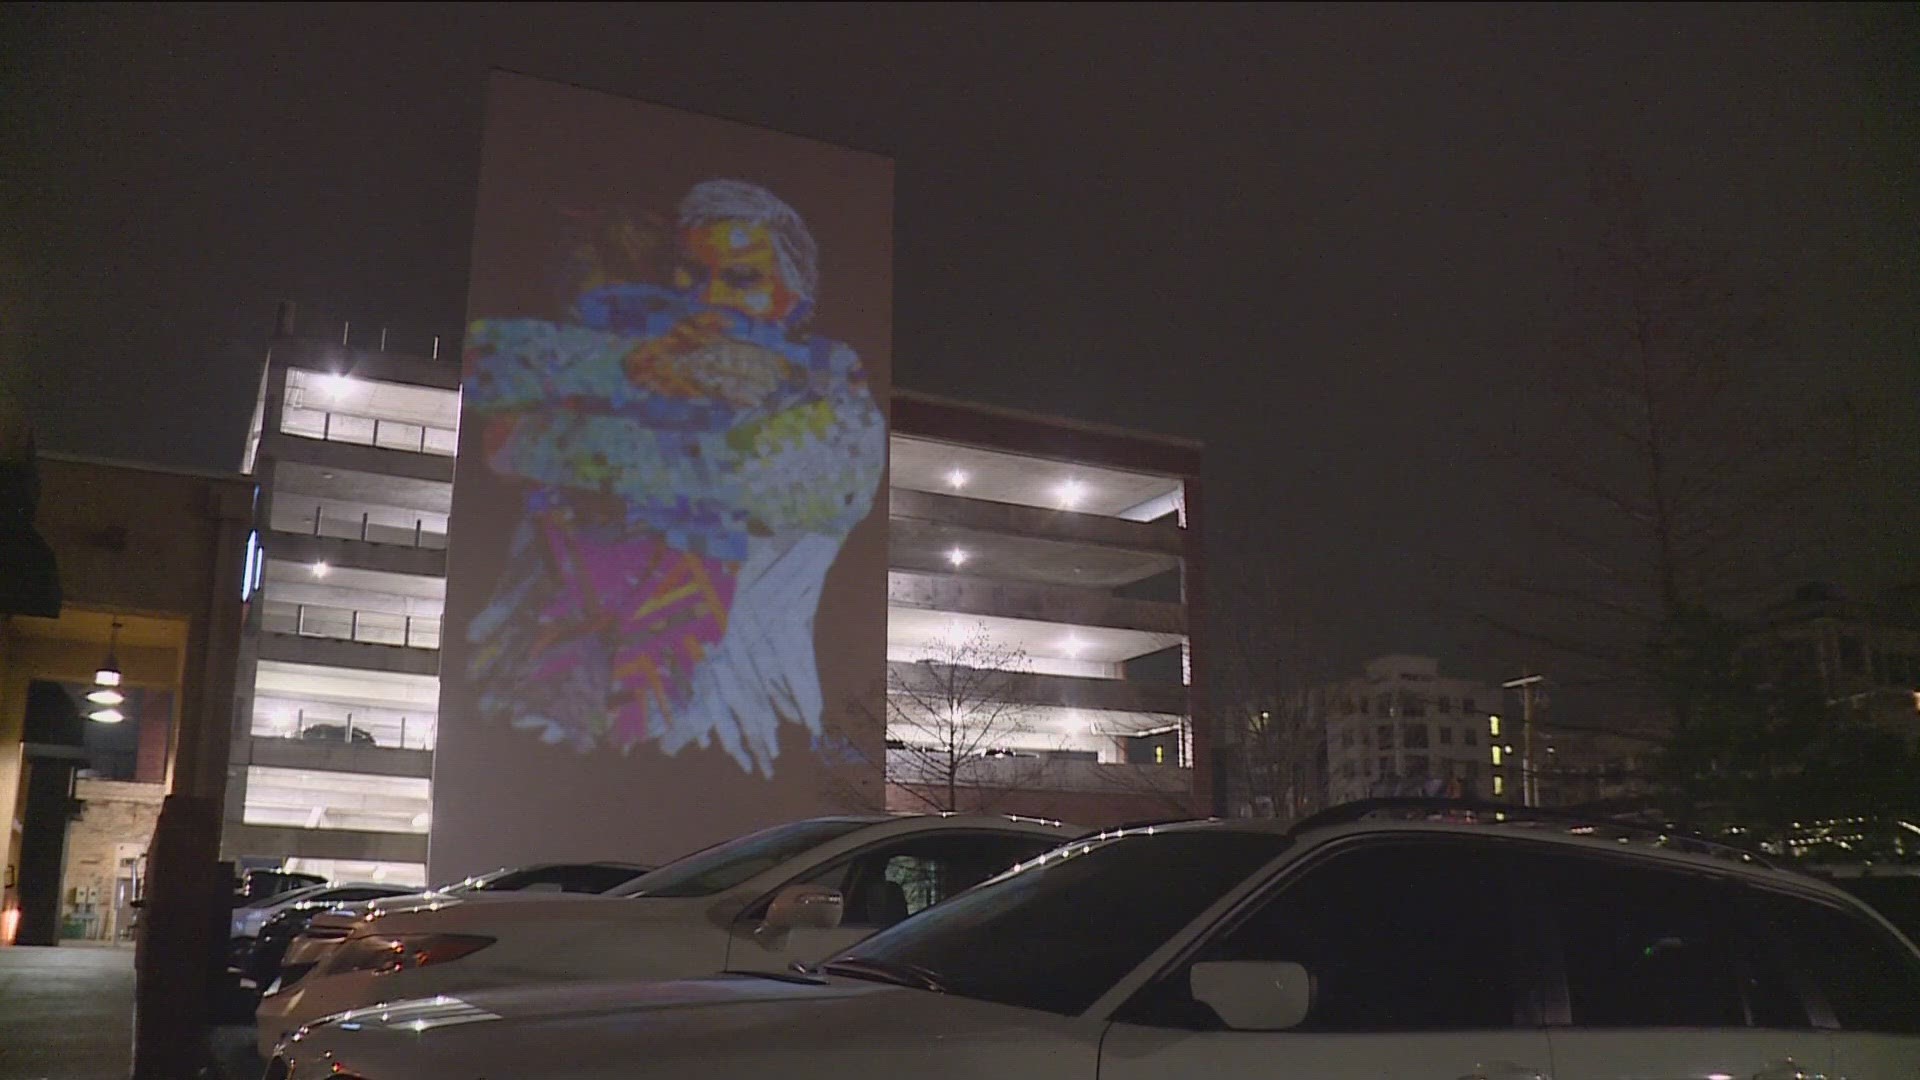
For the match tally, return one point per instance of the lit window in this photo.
(1496, 755)
(1493, 726)
(1499, 785)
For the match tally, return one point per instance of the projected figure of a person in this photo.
(694, 462)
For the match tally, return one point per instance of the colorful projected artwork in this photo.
(667, 545)
(691, 459)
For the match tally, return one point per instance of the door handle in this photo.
(1787, 1070)
(1506, 1070)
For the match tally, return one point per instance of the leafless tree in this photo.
(959, 738)
(1269, 738)
(1657, 476)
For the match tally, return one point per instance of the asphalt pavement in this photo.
(66, 1013)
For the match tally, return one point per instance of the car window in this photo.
(572, 878)
(1396, 935)
(1644, 945)
(1896, 898)
(890, 881)
(722, 866)
(1067, 927)
(1867, 976)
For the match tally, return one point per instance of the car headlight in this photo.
(383, 953)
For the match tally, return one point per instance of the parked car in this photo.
(260, 885)
(262, 962)
(1351, 946)
(337, 733)
(314, 937)
(726, 906)
(247, 921)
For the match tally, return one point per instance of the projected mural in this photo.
(666, 560)
(693, 460)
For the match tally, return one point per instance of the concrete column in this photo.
(180, 955)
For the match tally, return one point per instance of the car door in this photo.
(1661, 976)
(1419, 972)
(880, 885)
(1865, 981)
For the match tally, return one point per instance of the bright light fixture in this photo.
(957, 478)
(106, 695)
(957, 557)
(1071, 492)
(1072, 646)
(336, 386)
(320, 569)
(108, 674)
(106, 716)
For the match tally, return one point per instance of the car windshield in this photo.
(1060, 931)
(580, 878)
(725, 865)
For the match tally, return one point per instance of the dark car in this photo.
(261, 960)
(258, 885)
(339, 733)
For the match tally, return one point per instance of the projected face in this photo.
(691, 466)
(732, 264)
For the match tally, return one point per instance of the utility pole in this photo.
(1529, 789)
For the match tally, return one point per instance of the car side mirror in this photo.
(1254, 995)
(805, 907)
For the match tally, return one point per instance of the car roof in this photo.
(1670, 844)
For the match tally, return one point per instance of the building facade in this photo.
(1402, 728)
(352, 443)
(1061, 556)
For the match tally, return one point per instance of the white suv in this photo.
(757, 901)
(1460, 944)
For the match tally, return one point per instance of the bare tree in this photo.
(959, 737)
(1657, 476)
(1269, 739)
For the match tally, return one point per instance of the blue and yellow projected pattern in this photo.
(692, 462)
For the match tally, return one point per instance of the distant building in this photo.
(1404, 729)
(1860, 656)
(1070, 545)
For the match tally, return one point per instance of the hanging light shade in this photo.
(109, 670)
(106, 682)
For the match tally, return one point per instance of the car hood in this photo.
(349, 915)
(452, 914)
(724, 1026)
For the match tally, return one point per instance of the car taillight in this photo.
(383, 953)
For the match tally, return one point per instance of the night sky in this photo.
(1330, 242)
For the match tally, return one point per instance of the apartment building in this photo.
(1402, 728)
(1068, 548)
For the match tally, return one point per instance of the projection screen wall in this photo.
(667, 563)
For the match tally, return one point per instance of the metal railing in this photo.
(1046, 772)
(326, 728)
(344, 527)
(351, 624)
(369, 431)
